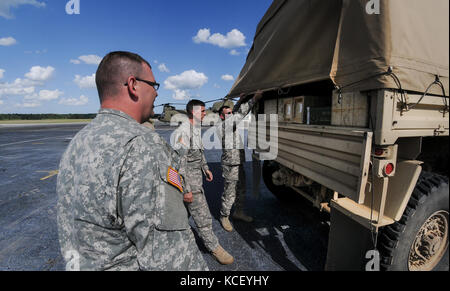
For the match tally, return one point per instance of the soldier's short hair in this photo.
(222, 108)
(113, 71)
(191, 104)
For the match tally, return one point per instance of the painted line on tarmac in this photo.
(28, 141)
(50, 174)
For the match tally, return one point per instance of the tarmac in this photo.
(283, 236)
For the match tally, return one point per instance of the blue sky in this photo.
(48, 58)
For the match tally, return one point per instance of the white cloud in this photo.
(29, 104)
(27, 88)
(163, 68)
(18, 87)
(202, 35)
(47, 95)
(2, 73)
(234, 52)
(227, 78)
(181, 84)
(91, 59)
(40, 74)
(187, 80)
(7, 41)
(44, 95)
(87, 59)
(35, 77)
(6, 5)
(83, 100)
(1, 102)
(180, 94)
(87, 82)
(233, 39)
(32, 96)
(38, 52)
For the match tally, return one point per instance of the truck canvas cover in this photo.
(305, 41)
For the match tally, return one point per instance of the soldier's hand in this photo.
(209, 176)
(188, 197)
(241, 98)
(182, 142)
(258, 95)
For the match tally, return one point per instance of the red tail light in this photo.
(389, 168)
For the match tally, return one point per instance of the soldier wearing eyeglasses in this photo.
(120, 196)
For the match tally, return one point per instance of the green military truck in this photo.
(359, 89)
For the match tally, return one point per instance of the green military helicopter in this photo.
(212, 114)
(169, 111)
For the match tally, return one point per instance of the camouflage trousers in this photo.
(234, 188)
(199, 211)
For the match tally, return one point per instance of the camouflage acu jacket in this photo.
(232, 145)
(118, 203)
(194, 162)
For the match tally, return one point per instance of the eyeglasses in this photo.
(153, 84)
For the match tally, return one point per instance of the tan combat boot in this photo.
(240, 215)
(222, 256)
(226, 223)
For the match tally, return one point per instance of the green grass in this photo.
(44, 121)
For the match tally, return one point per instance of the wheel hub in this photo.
(430, 244)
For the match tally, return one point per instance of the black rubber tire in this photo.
(283, 193)
(429, 196)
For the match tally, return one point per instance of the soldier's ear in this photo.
(131, 85)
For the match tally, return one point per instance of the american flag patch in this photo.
(174, 178)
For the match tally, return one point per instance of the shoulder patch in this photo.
(174, 178)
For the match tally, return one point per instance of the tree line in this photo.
(16, 116)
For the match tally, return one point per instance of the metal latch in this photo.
(439, 130)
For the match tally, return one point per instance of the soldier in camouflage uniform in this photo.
(233, 158)
(120, 199)
(188, 135)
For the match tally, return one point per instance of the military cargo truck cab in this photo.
(360, 116)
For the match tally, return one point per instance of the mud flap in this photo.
(348, 244)
(256, 172)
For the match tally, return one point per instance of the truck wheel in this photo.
(419, 240)
(283, 193)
